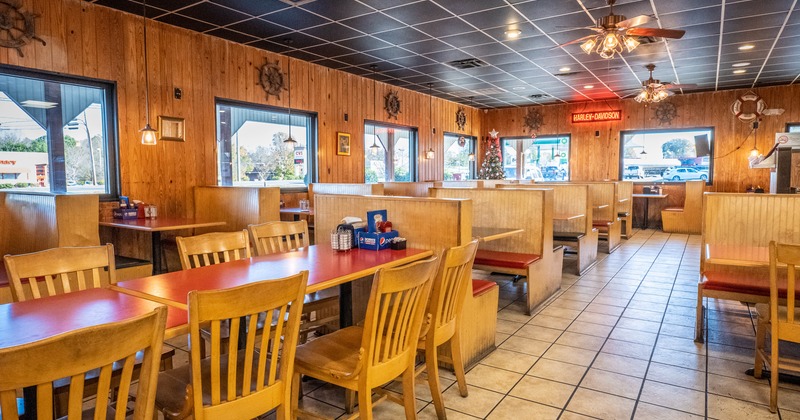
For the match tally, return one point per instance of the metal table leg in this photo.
(156, 250)
(345, 305)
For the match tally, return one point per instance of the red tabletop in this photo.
(159, 224)
(327, 268)
(33, 320)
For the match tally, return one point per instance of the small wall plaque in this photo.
(171, 128)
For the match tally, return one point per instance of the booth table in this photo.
(486, 234)
(155, 227)
(327, 268)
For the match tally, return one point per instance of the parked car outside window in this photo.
(684, 174)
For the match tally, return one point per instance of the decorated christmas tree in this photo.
(492, 166)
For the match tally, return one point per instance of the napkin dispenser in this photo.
(351, 224)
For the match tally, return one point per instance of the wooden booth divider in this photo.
(236, 206)
(459, 184)
(528, 209)
(407, 189)
(734, 256)
(426, 223)
(342, 189)
(572, 219)
(625, 207)
(686, 219)
(605, 202)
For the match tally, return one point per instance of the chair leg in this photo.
(432, 366)
(698, 328)
(409, 401)
(365, 404)
(295, 396)
(458, 364)
(773, 367)
(761, 335)
(349, 401)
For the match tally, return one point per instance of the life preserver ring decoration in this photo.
(748, 107)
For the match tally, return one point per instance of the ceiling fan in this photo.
(615, 32)
(654, 91)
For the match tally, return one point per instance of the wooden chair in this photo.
(59, 270)
(364, 358)
(689, 218)
(203, 250)
(74, 354)
(783, 321)
(320, 308)
(453, 282)
(254, 376)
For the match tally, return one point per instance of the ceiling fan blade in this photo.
(680, 86)
(574, 41)
(635, 21)
(664, 33)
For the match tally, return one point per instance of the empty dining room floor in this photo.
(615, 343)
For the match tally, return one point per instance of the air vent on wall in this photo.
(469, 63)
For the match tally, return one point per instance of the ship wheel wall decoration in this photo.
(534, 120)
(391, 103)
(665, 113)
(271, 78)
(461, 118)
(17, 27)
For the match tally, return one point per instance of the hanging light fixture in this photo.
(754, 153)
(374, 149)
(149, 137)
(652, 89)
(430, 154)
(609, 44)
(290, 139)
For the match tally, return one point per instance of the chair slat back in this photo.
(73, 354)
(789, 254)
(394, 316)
(277, 237)
(213, 248)
(450, 286)
(59, 270)
(262, 381)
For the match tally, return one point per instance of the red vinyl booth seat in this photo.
(754, 284)
(480, 287)
(601, 223)
(505, 259)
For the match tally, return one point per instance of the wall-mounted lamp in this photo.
(430, 154)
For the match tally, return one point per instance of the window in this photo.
(667, 155)
(253, 146)
(544, 158)
(793, 127)
(57, 134)
(389, 153)
(457, 151)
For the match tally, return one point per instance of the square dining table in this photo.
(327, 268)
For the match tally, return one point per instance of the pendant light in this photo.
(148, 133)
(471, 156)
(290, 140)
(374, 149)
(754, 153)
(430, 154)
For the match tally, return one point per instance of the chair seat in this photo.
(568, 236)
(764, 313)
(337, 352)
(480, 286)
(673, 209)
(749, 283)
(171, 391)
(505, 259)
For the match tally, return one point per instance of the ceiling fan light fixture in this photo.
(631, 43)
(589, 45)
(611, 41)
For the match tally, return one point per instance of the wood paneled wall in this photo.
(87, 40)
(597, 158)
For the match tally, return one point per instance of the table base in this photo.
(782, 377)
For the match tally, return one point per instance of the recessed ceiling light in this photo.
(588, 86)
(746, 47)
(743, 64)
(740, 71)
(513, 33)
(564, 69)
(519, 88)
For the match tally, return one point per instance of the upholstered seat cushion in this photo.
(623, 214)
(601, 223)
(480, 286)
(750, 283)
(568, 236)
(505, 259)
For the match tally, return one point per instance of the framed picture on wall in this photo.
(171, 128)
(343, 144)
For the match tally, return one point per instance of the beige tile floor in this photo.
(615, 343)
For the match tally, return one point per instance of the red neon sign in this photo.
(599, 116)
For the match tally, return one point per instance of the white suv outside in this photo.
(633, 171)
(684, 174)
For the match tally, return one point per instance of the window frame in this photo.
(711, 143)
(520, 152)
(413, 142)
(313, 138)
(472, 141)
(58, 185)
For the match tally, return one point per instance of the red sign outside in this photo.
(598, 116)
